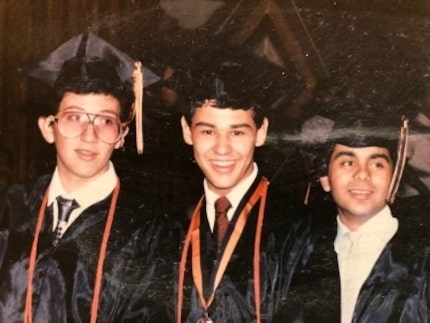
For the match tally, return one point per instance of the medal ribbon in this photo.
(28, 315)
(193, 238)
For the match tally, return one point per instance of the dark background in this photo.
(377, 50)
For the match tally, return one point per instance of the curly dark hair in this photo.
(230, 77)
(228, 85)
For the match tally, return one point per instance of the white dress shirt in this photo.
(235, 196)
(87, 195)
(355, 266)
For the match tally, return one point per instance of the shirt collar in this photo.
(234, 196)
(383, 226)
(99, 188)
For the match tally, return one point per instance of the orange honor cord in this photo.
(102, 254)
(28, 317)
(193, 236)
(182, 265)
(257, 243)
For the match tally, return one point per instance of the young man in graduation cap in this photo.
(367, 267)
(243, 244)
(72, 246)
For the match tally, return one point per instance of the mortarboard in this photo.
(88, 45)
(229, 82)
(85, 44)
(358, 124)
(233, 76)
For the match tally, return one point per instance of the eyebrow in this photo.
(351, 154)
(233, 126)
(79, 109)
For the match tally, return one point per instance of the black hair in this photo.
(227, 86)
(85, 75)
(231, 77)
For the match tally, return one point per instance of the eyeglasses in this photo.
(72, 124)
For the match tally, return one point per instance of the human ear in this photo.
(46, 126)
(186, 132)
(325, 183)
(121, 139)
(262, 133)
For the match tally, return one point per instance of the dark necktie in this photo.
(222, 205)
(65, 208)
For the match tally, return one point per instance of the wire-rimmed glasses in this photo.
(71, 124)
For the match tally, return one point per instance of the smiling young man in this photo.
(223, 142)
(83, 156)
(358, 179)
(370, 268)
(236, 265)
(72, 246)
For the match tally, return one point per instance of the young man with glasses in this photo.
(72, 246)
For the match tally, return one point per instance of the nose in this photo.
(362, 173)
(89, 134)
(222, 145)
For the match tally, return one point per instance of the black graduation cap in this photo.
(228, 82)
(48, 69)
(359, 124)
(70, 60)
(233, 76)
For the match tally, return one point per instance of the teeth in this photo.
(360, 191)
(223, 163)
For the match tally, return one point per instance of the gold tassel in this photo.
(307, 194)
(401, 160)
(138, 104)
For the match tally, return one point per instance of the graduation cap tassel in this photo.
(138, 104)
(308, 192)
(401, 160)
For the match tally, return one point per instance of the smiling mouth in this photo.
(222, 163)
(360, 192)
(86, 154)
(223, 166)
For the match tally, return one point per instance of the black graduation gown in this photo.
(395, 291)
(284, 245)
(64, 277)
